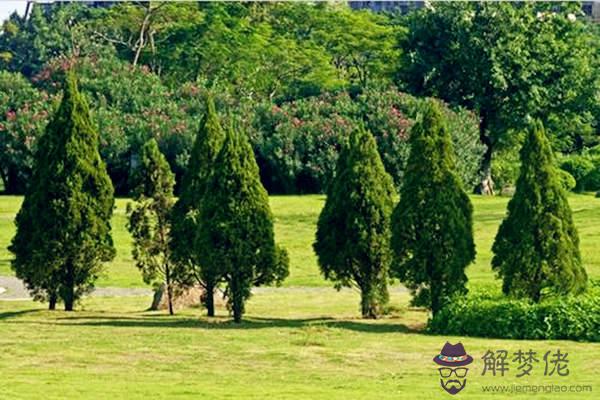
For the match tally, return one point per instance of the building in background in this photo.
(590, 8)
(388, 6)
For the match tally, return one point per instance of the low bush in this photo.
(486, 314)
(585, 168)
(567, 180)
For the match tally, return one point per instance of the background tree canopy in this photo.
(507, 61)
(298, 78)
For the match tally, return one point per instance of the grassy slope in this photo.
(295, 219)
(296, 343)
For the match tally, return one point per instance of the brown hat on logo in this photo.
(453, 355)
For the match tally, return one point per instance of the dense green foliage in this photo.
(584, 167)
(235, 238)
(317, 47)
(27, 44)
(63, 227)
(536, 251)
(144, 66)
(143, 63)
(150, 218)
(186, 218)
(353, 232)
(484, 314)
(24, 112)
(297, 143)
(432, 225)
(506, 61)
(131, 105)
(229, 46)
(295, 221)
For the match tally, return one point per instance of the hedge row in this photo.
(493, 315)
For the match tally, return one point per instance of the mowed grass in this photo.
(295, 225)
(296, 343)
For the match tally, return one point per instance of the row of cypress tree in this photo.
(426, 241)
(220, 231)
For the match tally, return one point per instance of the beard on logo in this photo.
(453, 386)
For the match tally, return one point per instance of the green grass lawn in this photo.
(295, 220)
(296, 342)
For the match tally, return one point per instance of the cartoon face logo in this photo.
(452, 361)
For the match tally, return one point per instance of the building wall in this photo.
(390, 6)
(590, 8)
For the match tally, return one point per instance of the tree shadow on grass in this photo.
(160, 321)
(13, 314)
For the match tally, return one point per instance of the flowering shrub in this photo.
(24, 112)
(297, 142)
(130, 105)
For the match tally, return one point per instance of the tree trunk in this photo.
(69, 288)
(169, 289)
(141, 40)
(486, 187)
(368, 302)
(209, 298)
(435, 281)
(52, 301)
(28, 10)
(535, 287)
(13, 184)
(4, 180)
(237, 300)
(69, 304)
(435, 302)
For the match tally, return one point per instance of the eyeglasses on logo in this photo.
(452, 360)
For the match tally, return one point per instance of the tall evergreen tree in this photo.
(432, 226)
(235, 240)
(28, 264)
(185, 213)
(149, 218)
(63, 227)
(536, 251)
(353, 231)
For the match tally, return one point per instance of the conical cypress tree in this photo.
(185, 213)
(63, 227)
(149, 218)
(29, 264)
(236, 239)
(353, 231)
(536, 250)
(432, 228)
